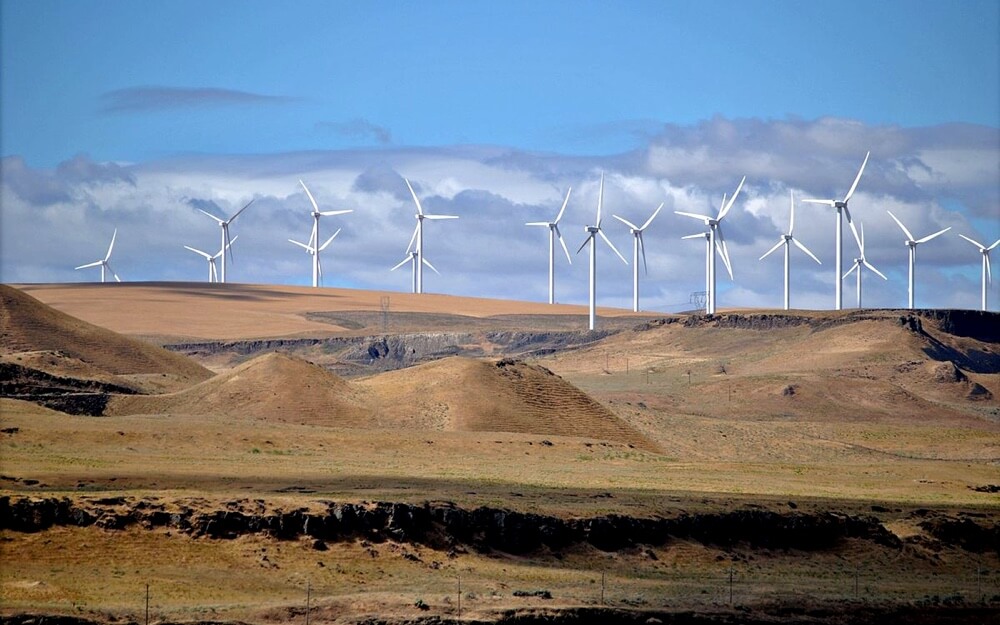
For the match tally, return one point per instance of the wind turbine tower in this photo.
(554, 233)
(912, 244)
(637, 246)
(862, 262)
(592, 232)
(842, 210)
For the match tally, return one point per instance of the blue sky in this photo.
(225, 101)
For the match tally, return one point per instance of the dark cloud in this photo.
(381, 178)
(357, 129)
(155, 98)
(69, 181)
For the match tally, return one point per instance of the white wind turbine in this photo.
(418, 237)
(554, 233)
(861, 261)
(314, 252)
(593, 231)
(314, 238)
(842, 209)
(912, 244)
(213, 274)
(785, 240)
(718, 241)
(637, 246)
(103, 263)
(985, 251)
(226, 241)
(413, 258)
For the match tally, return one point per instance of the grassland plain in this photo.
(796, 418)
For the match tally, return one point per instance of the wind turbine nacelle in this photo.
(839, 204)
(592, 229)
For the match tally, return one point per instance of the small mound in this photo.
(274, 387)
(27, 325)
(462, 394)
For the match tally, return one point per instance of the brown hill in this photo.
(462, 394)
(27, 325)
(275, 387)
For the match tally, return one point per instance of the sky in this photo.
(129, 115)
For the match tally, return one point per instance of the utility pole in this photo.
(147, 604)
(308, 598)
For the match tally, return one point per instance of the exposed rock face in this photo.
(444, 525)
(948, 372)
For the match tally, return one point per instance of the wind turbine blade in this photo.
(231, 219)
(989, 273)
(426, 216)
(791, 219)
(642, 248)
(213, 274)
(806, 250)
(909, 237)
(307, 248)
(872, 267)
(600, 201)
(853, 267)
(585, 242)
(732, 200)
(210, 215)
(626, 222)
(995, 243)
(563, 243)
(704, 218)
(700, 235)
(420, 209)
(857, 239)
(978, 244)
(112, 246)
(413, 237)
(197, 251)
(723, 249)
(337, 212)
(229, 244)
(117, 279)
(403, 262)
(96, 263)
(236, 238)
(770, 251)
(537, 223)
(330, 240)
(428, 263)
(854, 186)
(931, 236)
(612, 245)
(652, 217)
(319, 267)
(563, 209)
(310, 195)
(827, 202)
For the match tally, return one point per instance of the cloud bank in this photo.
(157, 98)
(931, 178)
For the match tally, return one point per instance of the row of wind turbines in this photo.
(713, 236)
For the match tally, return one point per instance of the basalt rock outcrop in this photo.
(444, 525)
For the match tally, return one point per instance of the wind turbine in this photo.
(593, 231)
(414, 258)
(785, 240)
(314, 238)
(213, 274)
(861, 261)
(718, 241)
(226, 241)
(103, 263)
(553, 227)
(912, 244)
(314, 252)
(418, 237)
(985, 251)
(842, 209)
(637, 246)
